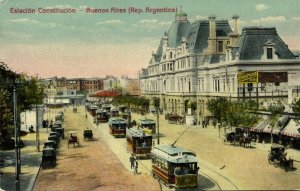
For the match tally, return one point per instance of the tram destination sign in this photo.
(247, 77)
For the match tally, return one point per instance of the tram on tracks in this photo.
(101, 116)
(117, 126)
(148, 125)
(175, 166)
(139, 143)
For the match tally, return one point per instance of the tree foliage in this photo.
(275, 110)
(218, 108)
(139, 102)
(238, 114)
(27, 90)
(296, 109)
(234, 113)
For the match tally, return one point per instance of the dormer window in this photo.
(269, 53)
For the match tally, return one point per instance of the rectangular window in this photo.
(250, 87)
(220, 46)
(263, 86)
(269, 53)
(277, 83)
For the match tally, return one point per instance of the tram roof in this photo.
(117, 120)
(147, 121)
(174, 154)
(137, 132)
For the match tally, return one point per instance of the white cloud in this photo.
(35, 22)
(151, 24)
(261, 7)
(199, 17)
(268, 20)
(296, 18)
(25, 20)
(110, 22)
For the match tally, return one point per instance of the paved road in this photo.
(208, 177)
(222, 166)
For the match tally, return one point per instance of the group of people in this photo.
(134, 164)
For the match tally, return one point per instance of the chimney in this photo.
(212, 41)
(212, 27)
(235, 19)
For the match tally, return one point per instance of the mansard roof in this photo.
(199, 33)
(177, 31)
(253, 39)
(196, 33)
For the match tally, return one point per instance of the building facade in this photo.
(202, 60)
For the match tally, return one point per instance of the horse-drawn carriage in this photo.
(73, 139)
(88, 134)
(49, 157)
(176, 119)
(239, 136)
(277, 157)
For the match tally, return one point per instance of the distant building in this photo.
(130, 86)
(91, 85)
(202, 60)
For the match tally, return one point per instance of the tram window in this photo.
(171, 169)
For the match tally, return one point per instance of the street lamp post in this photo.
(17, 148)
(158, 141)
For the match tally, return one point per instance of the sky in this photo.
(83, 44)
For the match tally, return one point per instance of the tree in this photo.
(28, 93)
(296, 109)
(218, 108)
(275, 110)
(238, 114)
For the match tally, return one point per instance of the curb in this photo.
(33, 179)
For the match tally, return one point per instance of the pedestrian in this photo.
(136, 167)
(132, 160)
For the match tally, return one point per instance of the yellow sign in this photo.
(248, 77)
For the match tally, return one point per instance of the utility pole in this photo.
(17, 148)
(37, 128)
(157, 121)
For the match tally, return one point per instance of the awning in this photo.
(277, 129)
(292, 129)
(260, 126)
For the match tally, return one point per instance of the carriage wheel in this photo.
(269, 159)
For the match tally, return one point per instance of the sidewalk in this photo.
(30, 164)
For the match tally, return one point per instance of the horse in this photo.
(245, 141)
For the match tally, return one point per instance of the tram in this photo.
(148, 125)
(117, 126)
(114, 112)
(101, 116)
(93, 109)
(139, 143)
(175, 166)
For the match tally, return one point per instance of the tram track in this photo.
(220, 175)
(206, 175)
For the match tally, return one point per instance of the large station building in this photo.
(208, 58)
